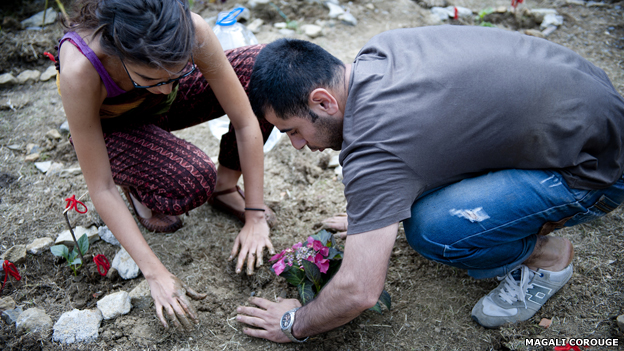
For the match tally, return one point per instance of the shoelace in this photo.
(514, 290)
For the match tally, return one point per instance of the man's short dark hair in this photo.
(286, 72)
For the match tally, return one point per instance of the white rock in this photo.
(370, 6)
(7, 79)
(114, 305)
(34, 320)
(37, 20)
(462, 11)
(620, 322)
(77, 326)
(334, 161)
(55, 169)
(255, 25)
(141, 296)
(440, 12)
(16, 254)
(348, 18)
(106, 235)
(287, 32)
(551, 19)
(65, 237)
(257, 3)
(70, 172)
(29, 74)
(280, 25)
(312, 30)
(43, 166)
(334, 10)
(125, 265)
(338, 171)
(39, 245)
(48, 74)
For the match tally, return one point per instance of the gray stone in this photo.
(10, 316)
(334, 162)
(141, 296)
(77, 326)
(65, 237)
(39, 245)
(53, 134)
(37, 20)
(28, 75)
(256, 4)
(32, 157)
(287, 32)
(6, 303)
(64, 128)
(534, 33)
(34, 320)
(7, 79)
(48, 74)
(106, 235)
(433, 3)
(16, 254)
(551, 20)
(114, 305)
(125, 265)
(32, 149)
(312, 30)
(620, 322)
(70, 172)
(255, 25)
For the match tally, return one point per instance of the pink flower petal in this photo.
(279, 267)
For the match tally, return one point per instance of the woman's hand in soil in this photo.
(265, 320)
(339, 222)
(170, 294)
(251, 241)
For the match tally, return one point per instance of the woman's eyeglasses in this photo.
(160, 83)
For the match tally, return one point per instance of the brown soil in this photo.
(431, 302)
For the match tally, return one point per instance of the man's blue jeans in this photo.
(489, 224)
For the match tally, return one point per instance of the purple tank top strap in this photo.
(112, 89)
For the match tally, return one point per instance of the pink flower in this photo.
(321, 262)
(317, 245)
(297, 245)
(324, 251)
(278, 256)
(279, 267)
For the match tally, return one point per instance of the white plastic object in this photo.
(221, 125)
(232, 34)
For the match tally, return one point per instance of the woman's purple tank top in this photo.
(112, 89)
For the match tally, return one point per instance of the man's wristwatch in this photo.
(286, 323)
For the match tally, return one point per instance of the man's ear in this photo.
(322, 100)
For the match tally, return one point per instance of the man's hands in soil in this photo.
(170, 294)
(252, 240)
(265, 320)
(339, 222)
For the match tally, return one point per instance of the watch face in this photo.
(285, 322)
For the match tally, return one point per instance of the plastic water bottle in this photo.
(232, 34)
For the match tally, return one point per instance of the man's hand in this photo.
(265, 320)
(251, 241)
(339, 222)
(169, 293)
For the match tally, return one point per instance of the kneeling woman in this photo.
(130, 72)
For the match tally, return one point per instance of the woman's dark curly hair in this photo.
(158, 33)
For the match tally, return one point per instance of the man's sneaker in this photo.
(518, 297)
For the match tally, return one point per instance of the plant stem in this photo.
(73, 236)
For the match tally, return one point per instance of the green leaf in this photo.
(334, 254)
(77, 262)
(385, 299)
(60, 251)
(83, 243)
(313, 273)
(323, 236)
(376, 308)
(306, 293)
(293, 275)
(72, 256)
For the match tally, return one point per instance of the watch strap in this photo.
(287, 330)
